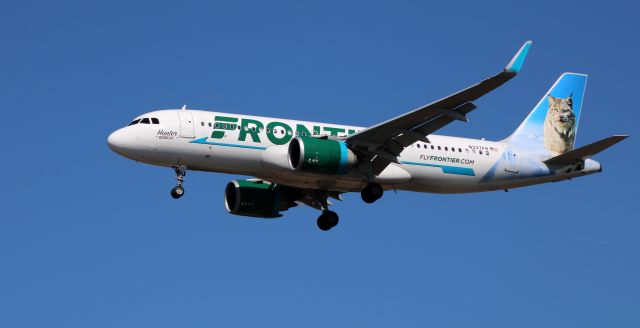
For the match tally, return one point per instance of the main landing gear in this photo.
(371, 193)
(319, 200)
(178, 191)
(327, 220)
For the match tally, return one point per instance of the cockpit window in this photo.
(145, 121)
(134, 122)
(155, 120)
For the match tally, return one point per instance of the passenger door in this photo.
(186, 123)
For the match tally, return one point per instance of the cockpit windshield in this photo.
(145, 120)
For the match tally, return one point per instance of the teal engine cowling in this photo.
(315, 155)
(256, 198)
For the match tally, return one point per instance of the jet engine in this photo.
(314, 155)
(256, 198)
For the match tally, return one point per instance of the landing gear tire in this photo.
(371, 193)
(177, 192)
(328, 220)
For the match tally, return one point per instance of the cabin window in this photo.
(202, 123)
(480, 152)
(145, 120)
(209, 124)
(134, 122)
(418, 145)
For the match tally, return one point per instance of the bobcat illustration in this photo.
(559, 125)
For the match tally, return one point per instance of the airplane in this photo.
(308, 163)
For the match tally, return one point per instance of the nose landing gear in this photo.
(178, 191)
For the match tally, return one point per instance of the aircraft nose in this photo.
(116, 141)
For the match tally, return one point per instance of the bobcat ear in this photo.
(551, 98)
(568, 100)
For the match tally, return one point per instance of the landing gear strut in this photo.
(327, 220)
(178, 190)
(371, 193)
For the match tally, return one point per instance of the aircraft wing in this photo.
(382, 143)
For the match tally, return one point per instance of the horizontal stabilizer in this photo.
(585, 152)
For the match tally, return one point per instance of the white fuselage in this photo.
(257, 146)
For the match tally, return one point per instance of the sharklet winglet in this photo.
(517, 61)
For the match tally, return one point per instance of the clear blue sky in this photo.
(90, 239)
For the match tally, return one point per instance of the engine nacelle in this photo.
(313, 155)
(255, 198)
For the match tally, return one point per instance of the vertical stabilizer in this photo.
(552, 125)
